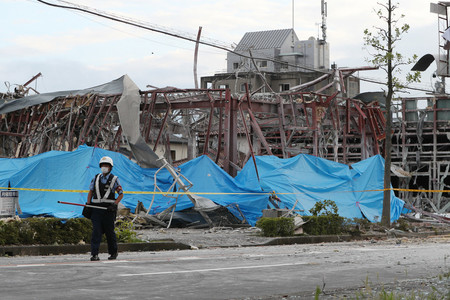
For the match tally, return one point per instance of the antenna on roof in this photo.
(292, 14)
(292, 34)
(324, 20)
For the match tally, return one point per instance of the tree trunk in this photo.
(386, 214)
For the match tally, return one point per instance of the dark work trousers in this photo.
(103, 223)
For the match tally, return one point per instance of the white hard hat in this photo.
(106, 160)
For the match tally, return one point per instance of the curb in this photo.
(38, 250)
(317, 239)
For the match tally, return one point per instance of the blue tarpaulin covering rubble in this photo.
(304, 179)
(301, 181)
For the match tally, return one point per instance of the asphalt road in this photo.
(223, 273)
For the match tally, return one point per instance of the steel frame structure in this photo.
(287, 124)
(421, 147)
(283, 124)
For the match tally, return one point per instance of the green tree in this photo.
(382, 44)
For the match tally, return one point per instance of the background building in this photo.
(275, 61)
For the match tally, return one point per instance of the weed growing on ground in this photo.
(125, 233)
(370, 292)
(318, 292)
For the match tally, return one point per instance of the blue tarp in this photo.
(74, 171)
(304, 179)
(301, 180)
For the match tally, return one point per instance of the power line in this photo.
(366, 79)
(137, 35)
(132, 23)
(185, 36)
(157, 29)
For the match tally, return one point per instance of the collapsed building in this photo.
(258, 107)
(341, 129)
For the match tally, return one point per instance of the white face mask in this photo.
(105, 170)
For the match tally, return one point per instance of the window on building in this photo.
(173, 155)
(223, 86)
(243, 87)
(262, 63)
(235, 66)
(284, 87)
(284, 66)
(206, 84)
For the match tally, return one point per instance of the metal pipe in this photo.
(85, 205)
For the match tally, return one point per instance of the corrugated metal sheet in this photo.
(263, 39)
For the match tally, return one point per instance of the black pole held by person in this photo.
(102, 194)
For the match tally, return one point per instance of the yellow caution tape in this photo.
(217, 193)
(125, 192)
(43, 190)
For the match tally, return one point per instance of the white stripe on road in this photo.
(30, 265)
(189, 258)
(214, 269)
(113, 261)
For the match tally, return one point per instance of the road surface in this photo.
(264, 272)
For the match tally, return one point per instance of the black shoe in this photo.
(113, 256)
(95, 258)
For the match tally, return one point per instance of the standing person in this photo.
(102, 193)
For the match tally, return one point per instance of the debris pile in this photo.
(187, 218)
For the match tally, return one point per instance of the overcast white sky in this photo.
(74, 50)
